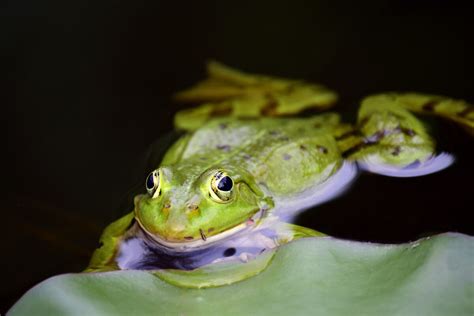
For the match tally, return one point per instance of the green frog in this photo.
(248, 162)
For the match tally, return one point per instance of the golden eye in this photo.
(221, 187)
(153, 184)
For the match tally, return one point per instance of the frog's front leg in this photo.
(103, 258)
(390, 140)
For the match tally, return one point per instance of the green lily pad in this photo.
(311, 276)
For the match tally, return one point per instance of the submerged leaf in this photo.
(217, 274)
(311, 276)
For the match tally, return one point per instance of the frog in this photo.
(256, 151)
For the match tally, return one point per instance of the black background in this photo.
(86, 89)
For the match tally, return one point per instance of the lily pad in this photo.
(311, 276)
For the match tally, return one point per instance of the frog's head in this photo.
(183, 207)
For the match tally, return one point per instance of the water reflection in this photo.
(431, 165)
(142, 253)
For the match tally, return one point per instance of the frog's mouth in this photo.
(204, 242)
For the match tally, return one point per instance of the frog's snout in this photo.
(176, 228)
(178, 218)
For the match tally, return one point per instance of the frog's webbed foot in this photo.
(231, 93)
(389, 140)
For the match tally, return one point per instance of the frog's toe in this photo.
(417, 168)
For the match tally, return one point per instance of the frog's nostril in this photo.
(192, 209)
(166, 209)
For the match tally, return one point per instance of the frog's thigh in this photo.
(394, 142)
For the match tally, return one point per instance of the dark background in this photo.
(86, 89)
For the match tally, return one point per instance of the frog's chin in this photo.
(205, 242)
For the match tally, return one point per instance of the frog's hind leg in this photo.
(389, 140)
(231, 93)
(457, 111)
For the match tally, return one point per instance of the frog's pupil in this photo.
(150, 183)
(225, 184)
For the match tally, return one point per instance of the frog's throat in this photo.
(184, 246)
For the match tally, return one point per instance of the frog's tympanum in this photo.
(252, 157)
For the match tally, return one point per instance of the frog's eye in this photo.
(153, 183)
(221, 187)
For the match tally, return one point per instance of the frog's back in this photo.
(283, 155)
